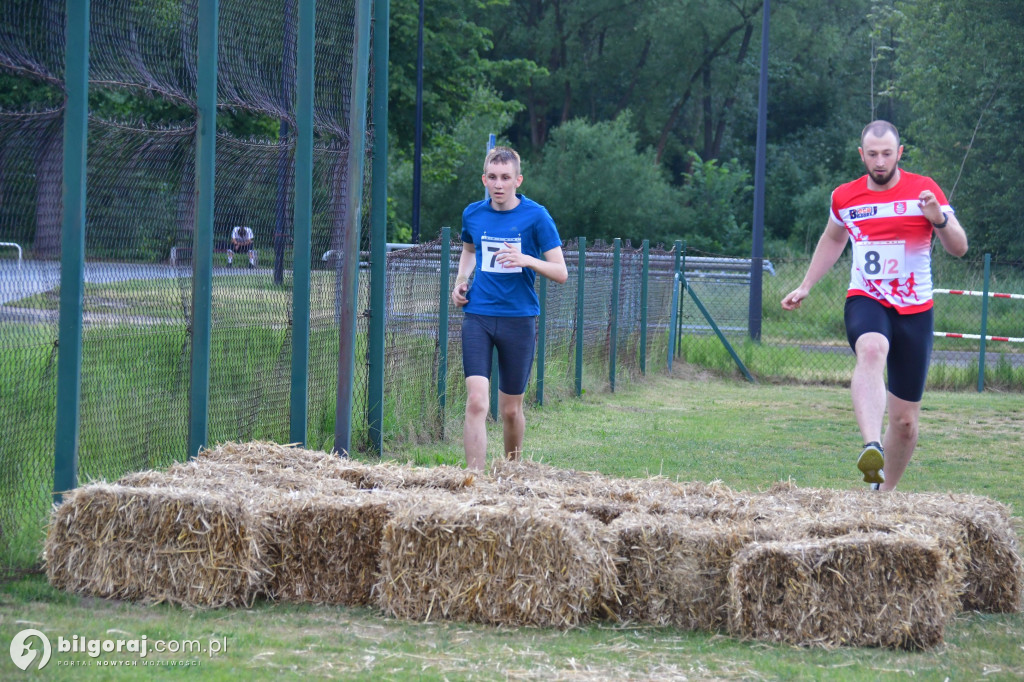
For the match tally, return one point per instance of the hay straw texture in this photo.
(986, 544)
(530, 544)
(676, 569)
(511, 564)
(994, 580)
(325, 548)
(854, 590)
(189, 547)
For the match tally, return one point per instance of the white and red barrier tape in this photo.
(952, 335)
(965, 292)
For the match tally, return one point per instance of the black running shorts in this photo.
(910, 342)
(514, 337)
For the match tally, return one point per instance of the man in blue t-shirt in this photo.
(504, 238)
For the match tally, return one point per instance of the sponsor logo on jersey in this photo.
(863, 212)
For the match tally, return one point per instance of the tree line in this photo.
(637, 118)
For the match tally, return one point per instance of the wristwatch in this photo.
(939, 226)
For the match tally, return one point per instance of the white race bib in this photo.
(490, 246)
(881, 260)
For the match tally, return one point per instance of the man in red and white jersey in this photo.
(889, 217)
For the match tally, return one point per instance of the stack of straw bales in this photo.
(529, 544)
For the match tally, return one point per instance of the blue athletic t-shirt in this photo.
(498, 291)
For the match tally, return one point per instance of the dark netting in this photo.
(32, 38)
(28, 332)
(140, 222)
(144, 45)
(134, 393)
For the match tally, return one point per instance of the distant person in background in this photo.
(503, 239)
(889, 216)
(241, 242)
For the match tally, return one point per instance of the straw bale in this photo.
(517, 564)
(865, 589)
(221, 475)
(189, 547)
(326, 547)
(526, 478)
(258, 456)
(994, 569)
(698, 500)
(783, 500)
(395, 475)
(950, 536)
(676, 568)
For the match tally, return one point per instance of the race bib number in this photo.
(881, 260)
(490, 248)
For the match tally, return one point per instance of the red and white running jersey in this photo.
(891, 240)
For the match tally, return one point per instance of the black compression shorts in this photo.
(514, 337)
(910, 342)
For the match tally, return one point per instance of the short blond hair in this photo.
(502, 155)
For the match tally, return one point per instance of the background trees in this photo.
(636, 118)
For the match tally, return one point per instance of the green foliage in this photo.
(713, 196)
(598, 183)
(451, 170)
(20, 93)
(960, 66)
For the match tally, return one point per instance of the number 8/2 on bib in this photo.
(881, 260)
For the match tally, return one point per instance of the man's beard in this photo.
(885, 179)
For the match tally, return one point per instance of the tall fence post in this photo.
(495, 372)
(673, 315)
(542, 326)
(350, 242)
(677, 268)
(614, 313)
(202, 238)
(378, 229)
(645, 272)
(303, 222)
(984, 322)
(683, 284)
(72, 256)
(442, 327)
(581, 268)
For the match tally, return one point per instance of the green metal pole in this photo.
(202, 238)
(303, 219)
(495, 372)
(350, 242)
(984, 323)
(613, 341)
(542, 327)
(673, 314)
(378, 228)
(682, 298)
(442, 322)
(581, 270)
(718, 332)
(643, 305)
(72, 251)
(678, 283)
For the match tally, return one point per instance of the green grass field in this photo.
(692, 426)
